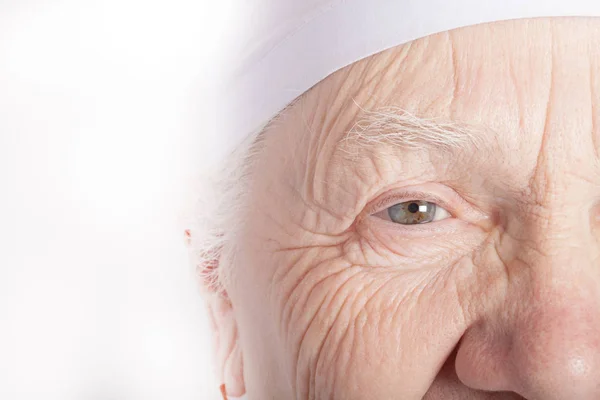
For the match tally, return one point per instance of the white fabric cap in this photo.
(294, 44)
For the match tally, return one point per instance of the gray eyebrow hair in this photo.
(395, 127)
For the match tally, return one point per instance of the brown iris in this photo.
(412, 212)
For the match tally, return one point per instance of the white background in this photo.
(103, 123)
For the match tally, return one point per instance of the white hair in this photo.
(220, 207)
(217, 211)
(395, 127)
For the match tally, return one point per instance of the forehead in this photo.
(531, 85)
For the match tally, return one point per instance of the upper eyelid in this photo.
(402, 196)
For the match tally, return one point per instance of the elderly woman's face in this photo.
(424, 224)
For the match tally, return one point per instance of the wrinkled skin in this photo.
(500, 301)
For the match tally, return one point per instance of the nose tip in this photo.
(556, 376)
(555, 346)
(549, 354)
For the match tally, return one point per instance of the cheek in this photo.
(351, 331)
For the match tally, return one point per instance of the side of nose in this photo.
(543, 339)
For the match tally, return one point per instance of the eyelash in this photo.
(408, 196)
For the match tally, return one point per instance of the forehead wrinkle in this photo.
(324, 113)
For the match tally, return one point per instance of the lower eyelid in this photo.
(433, 229)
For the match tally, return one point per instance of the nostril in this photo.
(480, 362)
(447, 385)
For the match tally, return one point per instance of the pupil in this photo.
(413, 207)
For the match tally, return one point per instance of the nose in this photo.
(542, 340)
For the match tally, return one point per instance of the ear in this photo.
(227, 351)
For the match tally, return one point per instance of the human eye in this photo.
(414, 212)
(415, 207)
(422, 210)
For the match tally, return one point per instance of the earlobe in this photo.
(234, 372)
(226, 344)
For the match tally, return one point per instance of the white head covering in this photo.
(294, 44)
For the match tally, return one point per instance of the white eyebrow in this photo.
(395, 127)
